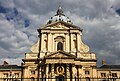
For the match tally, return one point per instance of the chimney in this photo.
(5, 63)
(103, 62)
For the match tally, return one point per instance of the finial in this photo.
(59, 4)
(59, 16)
(59, 11)
(103, 62)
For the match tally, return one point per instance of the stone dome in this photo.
(59, 17)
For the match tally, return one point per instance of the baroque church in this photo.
(61, 55)
(60, 51)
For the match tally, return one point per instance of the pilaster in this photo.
(52, 71)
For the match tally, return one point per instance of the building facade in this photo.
(59, 52)
(61, 55)
(10, 72)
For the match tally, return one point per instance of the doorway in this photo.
(60, 78)
(87, 79)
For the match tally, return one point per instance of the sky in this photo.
(20, 19)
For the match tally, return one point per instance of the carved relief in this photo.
(60, 60)
(59, 39)
(74, 37)
(58, 26)
(35, 48)
(45, 37)
(85, 55)
(84, 48)
(59, 55)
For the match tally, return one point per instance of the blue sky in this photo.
(20, 19)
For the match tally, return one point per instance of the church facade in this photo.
(61, 55)
(60, 52)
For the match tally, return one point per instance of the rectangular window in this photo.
(87, 72)
(5, 75)
(16, 75)
(114, 74)
(103, 74)
(50, 66)
(33, 72)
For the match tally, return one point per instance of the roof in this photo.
(71, 26)
(109, 67)
(60, 54)
(10, 67)
(59, 17)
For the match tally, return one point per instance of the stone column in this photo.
(80, 73)
(47, 70)
(78, 41)
(50, 42)
(68, 72)
(74, 72)
(70, 40)
(77, 73)
(70, 68)
(40, 73)
(67, 42)
(52, 71)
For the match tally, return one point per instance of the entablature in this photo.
(31, 55)
(58, 61)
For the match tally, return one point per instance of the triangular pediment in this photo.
(60, 25)
(60, 54)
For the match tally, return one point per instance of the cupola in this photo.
(59, 16)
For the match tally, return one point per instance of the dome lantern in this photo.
(59, 16)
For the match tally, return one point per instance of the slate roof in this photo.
(109, 67)
(59, 17)
(10, 67)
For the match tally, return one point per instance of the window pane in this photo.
(103, 74)
(114, 74)
(87, 72)
(59, 46)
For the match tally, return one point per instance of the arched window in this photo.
(60, 46)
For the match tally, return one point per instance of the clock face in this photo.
(60, 69)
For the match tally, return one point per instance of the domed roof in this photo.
(59, 17)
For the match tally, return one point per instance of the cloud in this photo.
(102, 36)
(7, 3)
(97, 18)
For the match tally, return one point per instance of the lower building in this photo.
(109, 72)
(10, 72)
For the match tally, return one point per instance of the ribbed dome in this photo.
(59, 17)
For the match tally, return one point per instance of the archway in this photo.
(60, 78)
(87, 79)
(32, 79)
